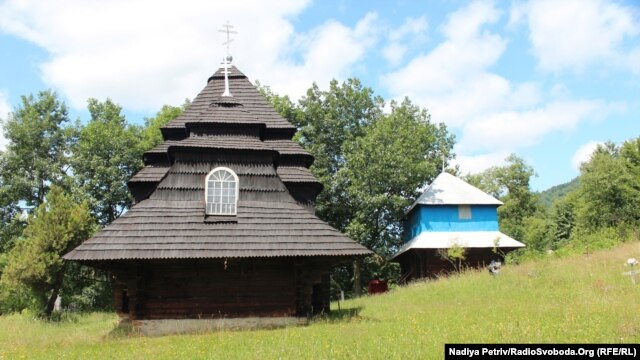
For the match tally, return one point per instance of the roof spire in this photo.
(226, 62)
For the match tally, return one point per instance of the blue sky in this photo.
(547, 80)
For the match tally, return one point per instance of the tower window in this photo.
(464, 212)
(221, 191)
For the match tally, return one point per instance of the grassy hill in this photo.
(574, 299)
(547, 197)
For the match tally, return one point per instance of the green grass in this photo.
(574, 299)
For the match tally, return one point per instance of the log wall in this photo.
(222, 288)
(426, 263)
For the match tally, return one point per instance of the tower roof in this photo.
(447, 189)
(244, 134)
(255, 107)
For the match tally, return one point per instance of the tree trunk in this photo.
(357, 282)
(57, 284)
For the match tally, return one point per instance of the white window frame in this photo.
(206, 192)
(464, 212)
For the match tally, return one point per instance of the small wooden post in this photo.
(632, 274)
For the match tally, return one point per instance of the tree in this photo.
(609, 188)
(108, 153)
(326, 119)
(57, 226)
(369, 162)
(11, 224)
(510, 184)
(37, 155)
(455, 255)
(383, 170)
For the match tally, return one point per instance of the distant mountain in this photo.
(547, 197)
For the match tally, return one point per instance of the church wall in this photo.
(446, 218)
(222, 288)
(426, 263)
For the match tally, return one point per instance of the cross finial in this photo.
(228, 29)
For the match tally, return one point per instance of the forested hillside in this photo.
(549, 196)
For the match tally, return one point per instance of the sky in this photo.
(547, 80)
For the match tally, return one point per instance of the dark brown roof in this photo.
(296, 174)
(287, 147)
(243, 91)
(150, 173)
(215, 142)
(273, 217)
(160, 229)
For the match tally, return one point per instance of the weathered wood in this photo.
(426, 263)
(212, 289)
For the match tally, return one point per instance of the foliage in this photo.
(554, 193)
(37, 154)
(106, 155)
(600, 212)
(567, 300)
(369, 162)
(538, 233)
(609, 188)
(455, 255)
(383, 170)
(56, 227)
(510, 184)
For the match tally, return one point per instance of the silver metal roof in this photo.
(447, 189)
(465, 239)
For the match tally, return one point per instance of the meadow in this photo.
(577, 299)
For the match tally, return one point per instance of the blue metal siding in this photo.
(445, 218)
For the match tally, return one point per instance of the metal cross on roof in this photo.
(228, 29)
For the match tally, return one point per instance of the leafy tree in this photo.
(563, 213)
(369, 162)
(538, 232)
(11, 224)
(37, 155)
(383, 170)
(609, 188)
(455, 255)
(57, 226)
(510, 184)
(105, 157)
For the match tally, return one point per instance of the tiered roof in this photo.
(243, 133)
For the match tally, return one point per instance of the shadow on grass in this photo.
(339, 316)
(122, 329)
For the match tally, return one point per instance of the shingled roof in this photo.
(447, 189)
(242, 133)
(243, 91)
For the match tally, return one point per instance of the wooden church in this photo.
(223, 224)
(450, 213)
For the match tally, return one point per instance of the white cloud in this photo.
(146, 53)
(452, 80)
(394, 53)
(572, 34)
(492, 115)
(5, 108)
(414, 27)
(473, 164)
(583, 154)
(410, 34)
(516, 129)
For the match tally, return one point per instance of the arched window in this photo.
(221, 191)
